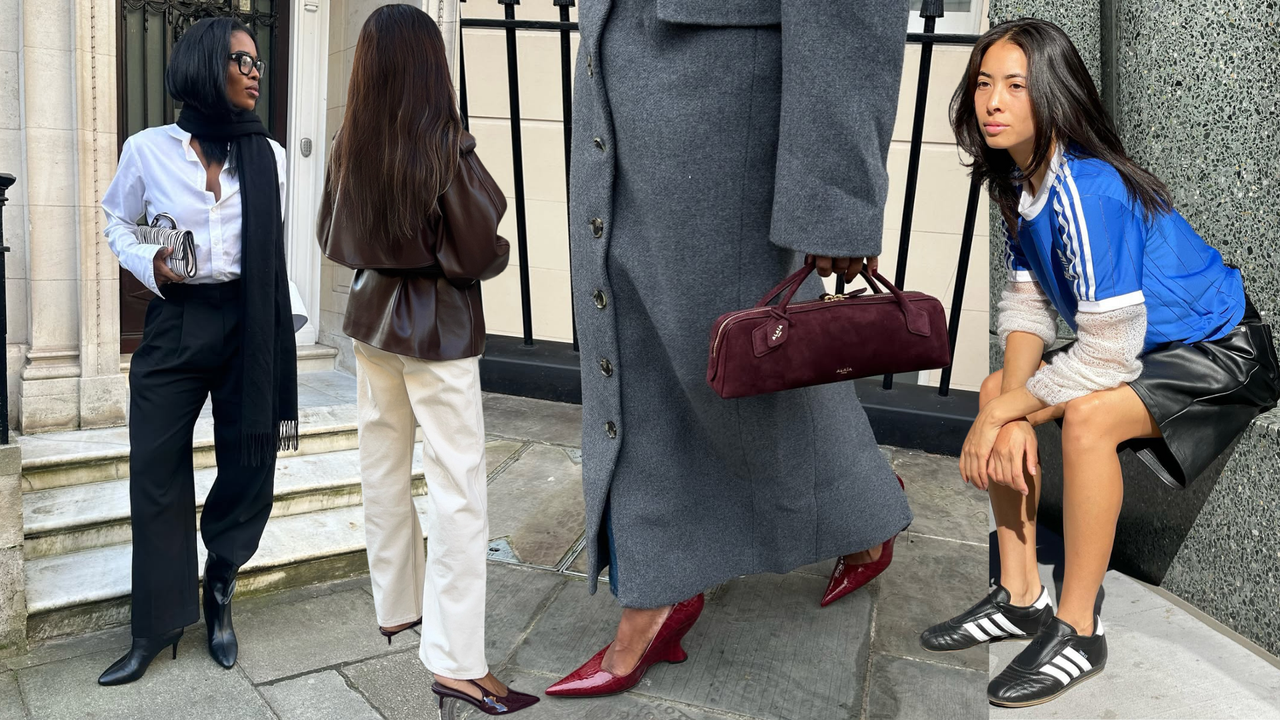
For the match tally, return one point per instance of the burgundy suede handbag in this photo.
(837, 337)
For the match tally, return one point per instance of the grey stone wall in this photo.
(1198, 102)
(13, 597)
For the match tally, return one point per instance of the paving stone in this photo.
(944, 506)
(497, 452)
(528, 419)
(537, 503)
(398, 685)
(116, 639)
(10, 699)
(68, 689)
(282, 639)
(319, 696)
(515, 597)
(762, 648)
(929, 581)
(903, 689)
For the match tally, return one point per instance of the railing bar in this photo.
(513, 24)
(913, 163)
(962, 274)
(6, 182)
(566, 97)
(517, 162)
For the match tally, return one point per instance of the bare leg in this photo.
(636, 630)
(1093, 490)
(1015, 522)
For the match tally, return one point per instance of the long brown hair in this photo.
(399, 145)
(1066, 108)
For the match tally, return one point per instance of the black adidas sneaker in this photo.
(1056, 660)
(994, 618)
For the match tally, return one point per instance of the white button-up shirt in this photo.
(160, 173)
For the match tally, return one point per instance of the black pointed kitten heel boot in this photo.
(135, 662)
(219, 586)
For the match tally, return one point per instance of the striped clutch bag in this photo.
(183, 243)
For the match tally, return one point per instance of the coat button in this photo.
(597, 227)
(590, 71)
(611, 430)
(599, 143)
(606, 367)
(601, 300)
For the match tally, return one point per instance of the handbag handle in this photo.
(917, 319)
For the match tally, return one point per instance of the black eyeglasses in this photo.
(248, 63)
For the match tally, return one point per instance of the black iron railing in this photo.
(6, 182)
(930, 11)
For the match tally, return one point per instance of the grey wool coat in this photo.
(714, 143)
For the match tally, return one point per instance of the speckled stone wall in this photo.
(1198, 104)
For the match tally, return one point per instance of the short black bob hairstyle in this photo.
(197, 72)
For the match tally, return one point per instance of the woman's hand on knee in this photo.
(1015, 448)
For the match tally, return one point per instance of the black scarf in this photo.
(269, 404)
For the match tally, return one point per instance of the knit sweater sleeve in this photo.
(1105, 354)
(1024, 307)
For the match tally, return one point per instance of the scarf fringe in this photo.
(261, 447)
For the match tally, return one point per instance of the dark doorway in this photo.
(146, 33)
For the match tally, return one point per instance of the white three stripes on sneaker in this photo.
(984, 629)
(1070, 661)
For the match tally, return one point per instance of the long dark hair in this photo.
(197, 74)
(398, 149)
(1066, 108)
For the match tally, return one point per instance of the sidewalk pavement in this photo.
(762, 649)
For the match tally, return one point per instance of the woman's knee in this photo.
(1086, 421)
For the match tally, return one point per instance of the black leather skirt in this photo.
(1203, 396)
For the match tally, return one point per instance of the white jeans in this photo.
(446, 588)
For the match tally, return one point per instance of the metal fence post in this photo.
(930, 10)
(6, 182)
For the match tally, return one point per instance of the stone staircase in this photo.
(76, 512)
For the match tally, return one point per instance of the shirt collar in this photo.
(1029, 206)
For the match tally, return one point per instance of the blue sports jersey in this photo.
(1090, 248)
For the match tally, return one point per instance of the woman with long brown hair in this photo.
(410, 207)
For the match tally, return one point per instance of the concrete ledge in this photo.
(1215, 545)
(13, 589)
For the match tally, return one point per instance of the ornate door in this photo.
(147, 32)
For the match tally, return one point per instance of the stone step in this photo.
(89, 590)
(327, 415)
(82, 517)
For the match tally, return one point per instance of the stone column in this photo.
(103, 392)
(13, 161)
(13, 597)
(50, 397)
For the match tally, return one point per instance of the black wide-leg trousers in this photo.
(191, 349)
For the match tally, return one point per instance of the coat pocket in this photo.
(721, 13)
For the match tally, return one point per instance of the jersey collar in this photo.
(1029, 206)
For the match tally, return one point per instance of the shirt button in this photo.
(597, 227)
(599, 143)
(611, 430)
(601, 300)
(606, 367)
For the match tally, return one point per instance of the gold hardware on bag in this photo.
(828, 297)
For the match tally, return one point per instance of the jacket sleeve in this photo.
(841, 69)
(468, 247)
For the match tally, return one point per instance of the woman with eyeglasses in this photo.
(226, 331)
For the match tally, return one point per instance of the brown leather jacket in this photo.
(421, 298)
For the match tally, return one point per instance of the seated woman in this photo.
(1170, 357)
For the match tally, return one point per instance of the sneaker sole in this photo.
(1025, 638)
(1055, 696)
